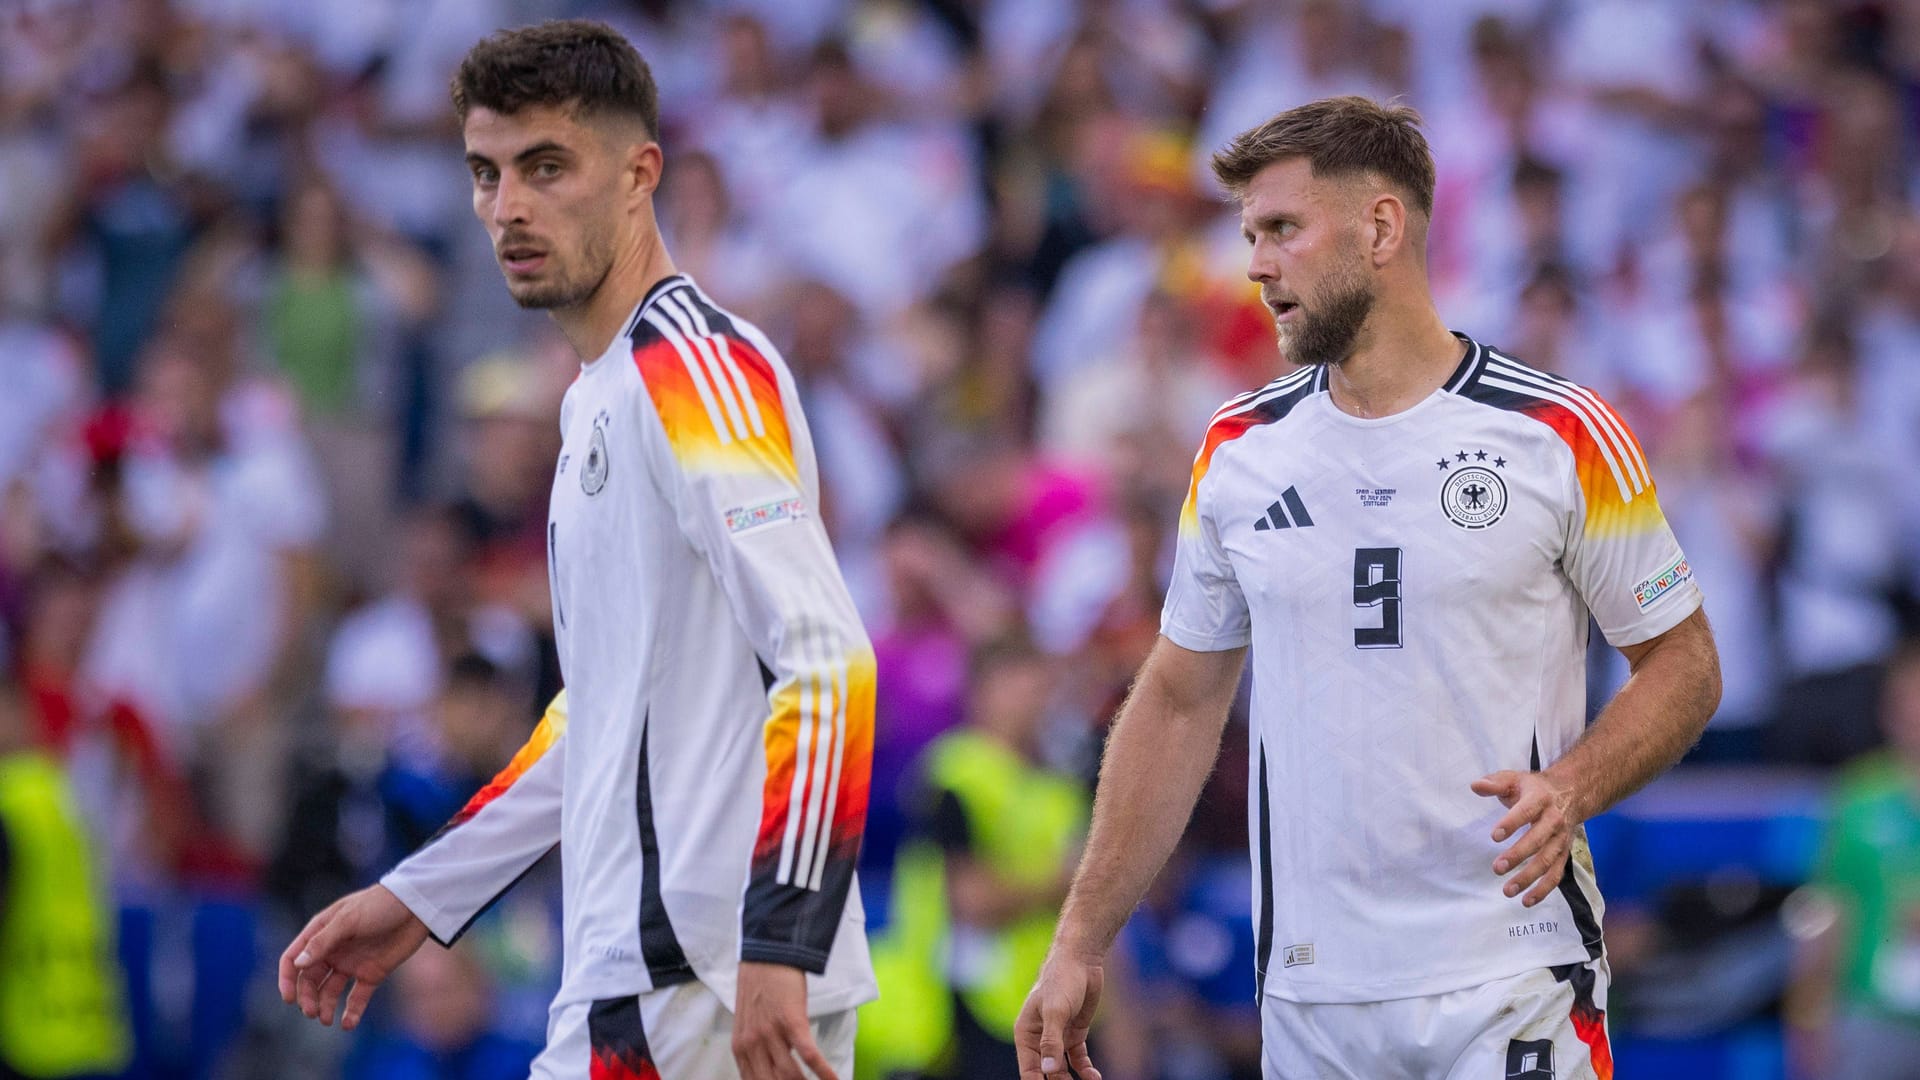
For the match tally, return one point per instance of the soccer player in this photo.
(1409, 535)
(705, 773)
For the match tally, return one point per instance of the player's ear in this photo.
(1386, 227)
(643, 167)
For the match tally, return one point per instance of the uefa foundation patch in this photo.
(745, 518)
(1649, 592)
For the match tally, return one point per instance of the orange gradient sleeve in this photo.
(1222, 431)
(546, 733)
(729, 422)
(501, 832)
(1205, 609)
(1621, 555)
(732, 459)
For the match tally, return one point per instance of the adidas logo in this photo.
(1278, 516)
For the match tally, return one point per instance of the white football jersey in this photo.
(1415, 590)
(705, 774)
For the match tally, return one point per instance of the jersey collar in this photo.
(1462, 377)
(659, 289)
(1470, 365)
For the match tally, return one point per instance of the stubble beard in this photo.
(568, 291)
(1326, 332)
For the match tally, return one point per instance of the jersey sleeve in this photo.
(732, 461)
(495, 838)
(1620, 553)
(1205, 610)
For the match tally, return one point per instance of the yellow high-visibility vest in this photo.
(61, 1011)
(1024, 822)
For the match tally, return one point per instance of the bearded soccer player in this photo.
(1409, 535)
(706, 771)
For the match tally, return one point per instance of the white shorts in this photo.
(1548, 1024)
(682, 1032)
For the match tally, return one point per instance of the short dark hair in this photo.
(574, 64)
(1338, 136)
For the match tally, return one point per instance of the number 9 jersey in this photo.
(1416, 592)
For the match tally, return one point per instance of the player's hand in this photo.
(1051, 1033)
(1545, 808)
(770, 1025)
(359, 939)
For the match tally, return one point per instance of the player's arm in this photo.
(1163, 746)
(495, 838)
(734, 476)
(817, 735)
(736, 463)
(1164, 743)
(438, 890)
(1658, 714)
(1654, 719)
(1622, 558)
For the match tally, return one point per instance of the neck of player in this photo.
(638, 267)
(1403, 354)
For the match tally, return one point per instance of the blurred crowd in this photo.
(275, 443)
